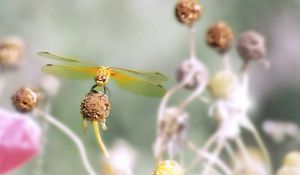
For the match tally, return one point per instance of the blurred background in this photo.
(145, 35)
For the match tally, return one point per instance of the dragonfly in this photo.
(137, 82)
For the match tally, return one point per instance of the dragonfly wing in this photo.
(64, 58)
(138, 86)
(72, 72)
(147, 76)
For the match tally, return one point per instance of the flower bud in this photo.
(195, 67)
(222, 84)
(219, 36)
(251, 46)
(168, 167)
(292, 159)
(11, 51)
(188, 11)
(25, 99)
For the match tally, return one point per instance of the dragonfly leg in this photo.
(106, 91)
(93, 88)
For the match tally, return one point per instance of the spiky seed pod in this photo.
(219, 36)
(11, 51)
(188, 11)
(25, 99)
(95, 107)
(168, 167)
(251, 46)
(222, 84)
(199, 71)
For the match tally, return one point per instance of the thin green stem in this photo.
(72, 136)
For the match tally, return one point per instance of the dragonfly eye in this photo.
(100, 80)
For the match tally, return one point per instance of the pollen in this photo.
(168, 167)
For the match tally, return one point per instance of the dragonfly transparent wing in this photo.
(147, 76)
(137, 85)
(64, 59)
(71, 72)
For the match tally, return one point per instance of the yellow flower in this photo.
(168, 167)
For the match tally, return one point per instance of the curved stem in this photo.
(263, 148)
(215, 153)
(2, 82)
(99, 139)
(73, 137)
(205, 148)
(190, 98)
(192, 40)
(211, 158)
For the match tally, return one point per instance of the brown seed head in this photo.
(188, 11)
(199, 71)
(11, 51)
(95, 106)
(251, 46)
(219, 36)
(25, 99)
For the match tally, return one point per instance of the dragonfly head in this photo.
(101, 80)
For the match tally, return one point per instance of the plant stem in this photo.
(99, 139)
(73, 137)
(192, 40)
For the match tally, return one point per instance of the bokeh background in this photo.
(145, 35)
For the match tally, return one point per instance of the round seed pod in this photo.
(95, 106)
(188, 11)
(286, 170)
(198, 69)
(168, 167)
(11, 51)
(219, 36)
(25, 99)
(222, 84)
(251, 46)
(292, 159)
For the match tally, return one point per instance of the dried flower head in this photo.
(188, 11)
(251, 46)
(50, 85)
(292, 159)
(198, 71)
(168, 167)
(219, 36)
(223, 84)
(95, 107)
(26, 99)
(11, 51)
(288, 171)
(257, 165)
(279, 130)
(172, 132)
(122, 159)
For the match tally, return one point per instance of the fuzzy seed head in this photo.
(251, 46)
(222, 84)
(288, 171)
(25, 99)
(292, 159)
(95, 106)
(168, 167)
(188, 11)
(199, 71)
(11, 51)
(219, 36)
